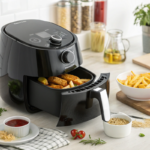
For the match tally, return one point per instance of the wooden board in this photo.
(143, 61)
(143, 107)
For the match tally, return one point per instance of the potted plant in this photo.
(142, 17)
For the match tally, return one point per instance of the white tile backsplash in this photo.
(0, 9)
(6, 19)
(47, 2)
(12, 6)
(48, 14)
(33, 14)
(32, 4)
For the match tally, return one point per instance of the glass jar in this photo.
(87, 14)
(115, 51)
(76, 16)
(100, 11)
(63, 14)
(97, 36)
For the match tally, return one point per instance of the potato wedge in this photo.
(67, 87)
(71, 84)
(43, 80)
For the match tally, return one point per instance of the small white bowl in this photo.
(118, 131)
(137, 94)
(17, 131)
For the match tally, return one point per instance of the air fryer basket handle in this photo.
(101, 95)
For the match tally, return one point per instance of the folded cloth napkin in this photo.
(48, 139)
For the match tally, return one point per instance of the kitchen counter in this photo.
(94, 62)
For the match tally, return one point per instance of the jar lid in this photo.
(76, 2)
(97, 25)
(63, 3)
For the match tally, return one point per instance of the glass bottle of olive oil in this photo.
(115, 51)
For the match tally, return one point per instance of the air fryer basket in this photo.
(48, 99)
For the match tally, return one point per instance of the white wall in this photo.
(120, 14)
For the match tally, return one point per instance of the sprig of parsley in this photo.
(2, 110)
(93, 142)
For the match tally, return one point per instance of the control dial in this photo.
(67, 57)
(55, 40)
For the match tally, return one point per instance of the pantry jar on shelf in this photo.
(76, 16)
(98, 32)
(64, 14)
(87, 14)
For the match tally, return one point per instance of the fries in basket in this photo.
(137, 81)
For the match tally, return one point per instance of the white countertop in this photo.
(94, 62)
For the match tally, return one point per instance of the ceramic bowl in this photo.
(19, 132)
(137, 94)
(118, 131)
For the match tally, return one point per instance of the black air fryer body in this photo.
(34, 48)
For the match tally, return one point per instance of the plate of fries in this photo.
(135, 85)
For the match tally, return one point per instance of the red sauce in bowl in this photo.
(16, 123)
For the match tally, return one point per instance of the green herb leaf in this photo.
(2, 110)
(142, 15)
(92, 142)
(141, 135)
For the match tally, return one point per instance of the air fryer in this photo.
(35, 48)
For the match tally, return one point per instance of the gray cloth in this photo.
(48, 139)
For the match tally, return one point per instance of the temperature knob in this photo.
(55, 40)
(67, 57)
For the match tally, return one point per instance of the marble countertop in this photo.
(94, 62)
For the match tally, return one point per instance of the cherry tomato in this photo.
(81, 134)
(74, 133)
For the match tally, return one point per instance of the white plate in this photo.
(34, 131)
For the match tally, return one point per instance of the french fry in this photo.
(121, 81)
(133, 73)
(148, 86)
(129, 78)
(133, 83)
(135, 78)
(85, 80)
(146, 78)
(141, 86)
(132, 77)
(71, 84)
(144, 82)
(126, 82)
(129, 85)
(138, 82)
